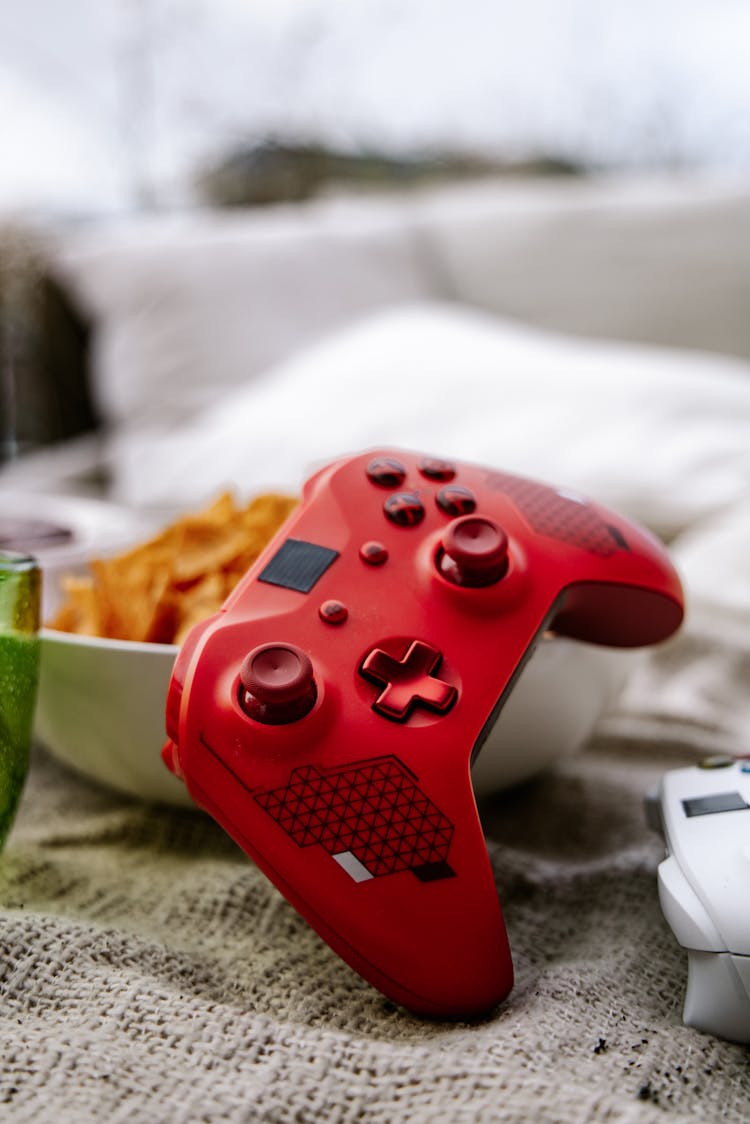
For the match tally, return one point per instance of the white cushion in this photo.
(664, 436)
(656, 259)
(189, 307)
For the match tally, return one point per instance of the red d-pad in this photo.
(408, 682)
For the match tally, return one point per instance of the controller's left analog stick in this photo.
(474, 552)
(277, 684)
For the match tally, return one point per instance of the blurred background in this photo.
(193, 191)
(130, 103)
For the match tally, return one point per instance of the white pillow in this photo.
(187, 308)
(652, 259)
(664, 436)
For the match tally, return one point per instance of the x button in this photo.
(408, 682)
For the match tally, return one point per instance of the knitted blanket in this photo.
(149, 972)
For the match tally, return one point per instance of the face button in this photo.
(456, 500)
(474, 552)
(435, 469)
(405, 509)
(408, 682)
(373, 553)
(386, 472)
(277, 684)
(333, 612)
(717, 761)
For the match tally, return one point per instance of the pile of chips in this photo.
(158, 591)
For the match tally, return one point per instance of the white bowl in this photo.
(555, 703)
(101, 709)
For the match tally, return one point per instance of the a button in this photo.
(277, 684)
(405, 509)
(373, 553)
(474, 552)
(717, 761)
(456, 500)
(386, 472)
(408, 682)
(333, 612)
(435, 469)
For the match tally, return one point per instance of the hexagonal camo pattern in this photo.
(559, 515)
(372, 809)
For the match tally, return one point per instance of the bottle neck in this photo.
(20, 587)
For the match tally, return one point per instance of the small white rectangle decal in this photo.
(353, 867)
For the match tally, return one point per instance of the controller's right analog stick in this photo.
(474, 552)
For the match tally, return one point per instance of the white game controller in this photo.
(703, 813)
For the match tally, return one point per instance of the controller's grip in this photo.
(620, 615)
(428, 934)
(630, 599)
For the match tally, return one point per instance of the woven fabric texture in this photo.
(149, 972)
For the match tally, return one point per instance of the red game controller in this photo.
(328, 715)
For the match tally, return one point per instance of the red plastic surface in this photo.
(364, 816)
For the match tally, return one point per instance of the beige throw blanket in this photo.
(149, 972)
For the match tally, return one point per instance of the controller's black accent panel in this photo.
(298, 565)
(433, 872)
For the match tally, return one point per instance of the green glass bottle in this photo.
(20, 585)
